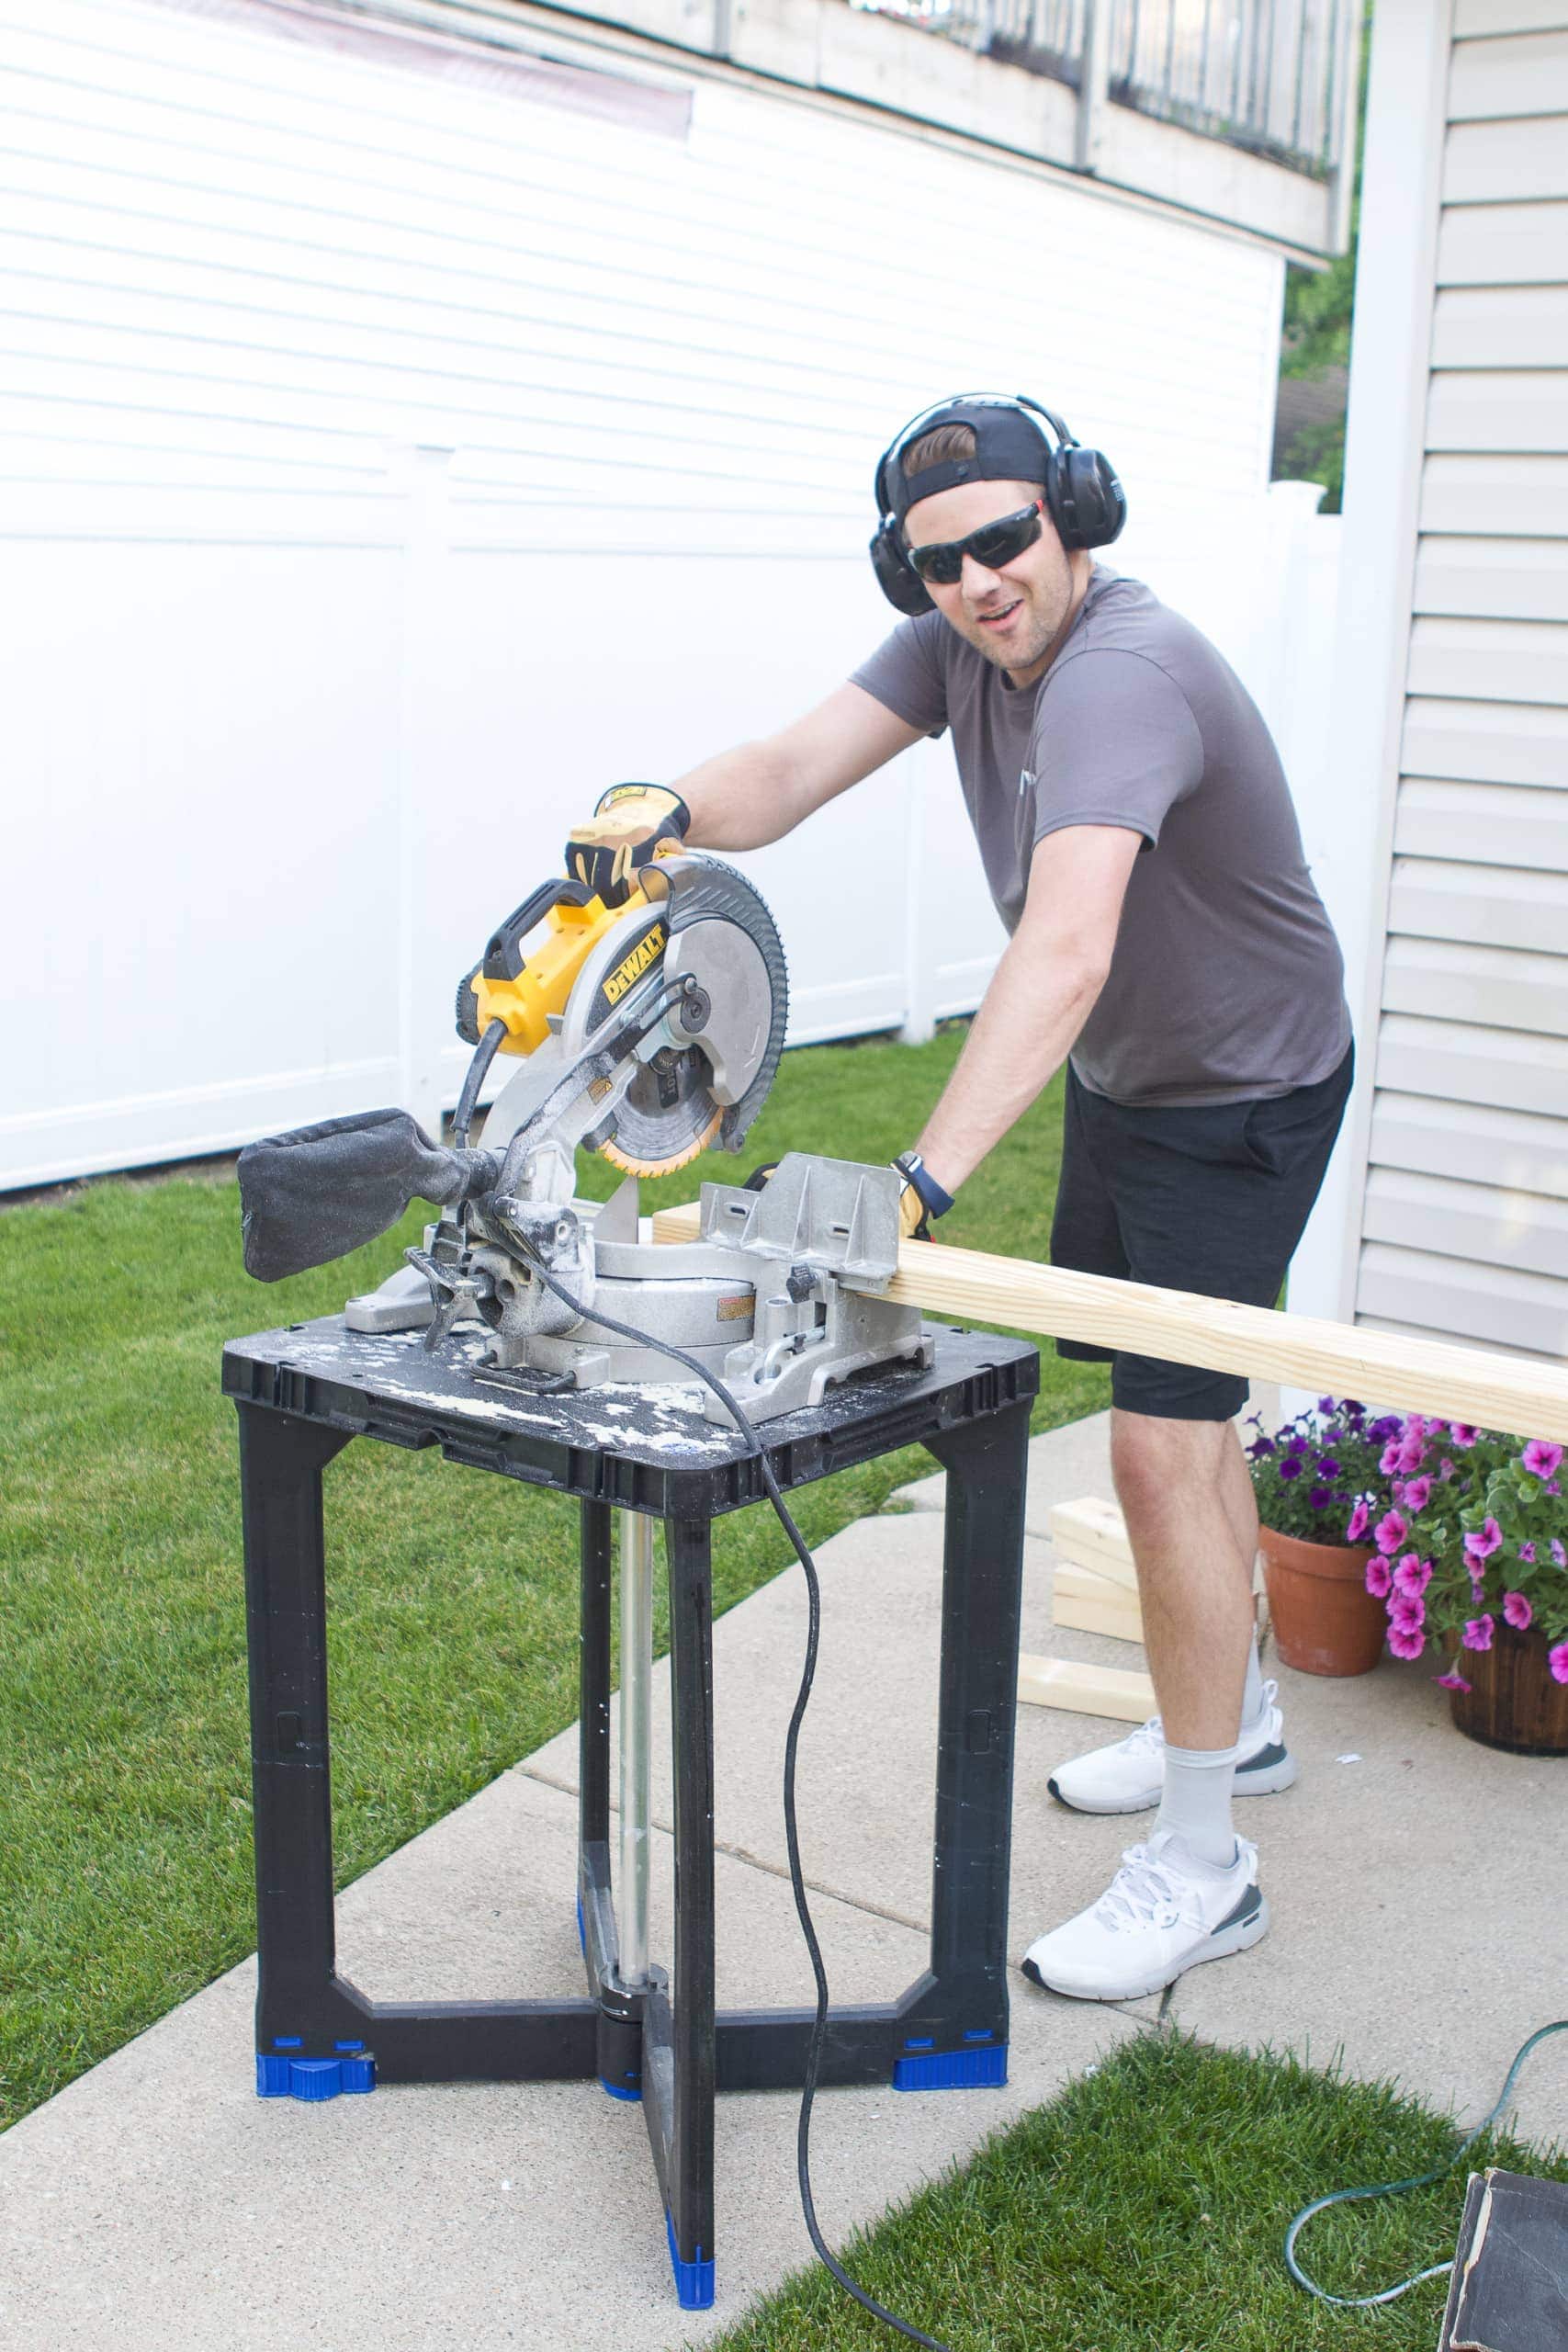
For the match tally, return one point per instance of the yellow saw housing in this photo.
(524, 1005)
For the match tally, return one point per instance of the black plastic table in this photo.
(303, 1394)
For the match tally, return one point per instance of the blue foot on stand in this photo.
(630, 2087)
(694, 2280)
(980, 2069)
(314, 2079)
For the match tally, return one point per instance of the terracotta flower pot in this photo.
(1324, 1620)
(1512, 1701)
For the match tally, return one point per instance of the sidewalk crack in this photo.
(752, 1862)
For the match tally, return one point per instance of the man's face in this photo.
(1009, 614)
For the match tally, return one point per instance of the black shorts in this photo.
(1211, 1200)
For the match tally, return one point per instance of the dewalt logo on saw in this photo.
(649, 947)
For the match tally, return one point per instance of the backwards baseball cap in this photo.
(1009, 446)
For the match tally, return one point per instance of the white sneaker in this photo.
(1163, 1913)
(1129, 1775)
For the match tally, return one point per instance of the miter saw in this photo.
(648, 1030)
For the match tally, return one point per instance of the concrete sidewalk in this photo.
(1416, 1879)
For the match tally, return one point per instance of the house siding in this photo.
(1464, 1214)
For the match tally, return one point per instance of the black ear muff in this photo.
(1087, 503)
(903, 587)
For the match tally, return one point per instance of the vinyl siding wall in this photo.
(1464, 1223)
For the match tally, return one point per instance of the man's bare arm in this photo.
(760, 791)
(1040, 994)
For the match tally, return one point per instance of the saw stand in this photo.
(302, 1394)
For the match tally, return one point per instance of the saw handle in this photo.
(503, 953)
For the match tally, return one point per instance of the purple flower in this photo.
(1387, 1425)
(1378, 1578)
(1481, 1543)
(1328, 1467)
(1412, 1644)
(1558, 1553)
(1260, 1446)
(1413, 1576)
(1390, 1532)
(1527, 1553)
(1353, 1410)
(1477, 1633)
(1416, 1494)
(1517, 1610)
(1290, 1467)
(1319, 1496)
(1450, 1681)
(1557, 1659)
(1360, 1519)
(1326, 1405)
(1407, 1611)
(1541, 1457)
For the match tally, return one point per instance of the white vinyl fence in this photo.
(400, 445)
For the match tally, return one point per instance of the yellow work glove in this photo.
(921, 1197)
(630, 826)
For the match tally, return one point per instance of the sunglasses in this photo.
(992, 545)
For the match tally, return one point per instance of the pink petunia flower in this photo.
(1413, 1576)
(1527, 1553)
(1558, 1553)
(1445, 1471)
(1360, 1519)
(1477, 1635)
(1412, 1644)
(1541, 1456)
(1450, 1681)
(1557, 1659)
(1416, 1493)
(1407, 1611)
(1412, 1454)
(1517, 1610)
(1463, 1432)
(1379, 1577)
(1482, 1541)
(1390, 1532)
(1388, 1460)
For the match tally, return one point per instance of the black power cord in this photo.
(791, 1742)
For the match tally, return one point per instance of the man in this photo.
(1166, 942)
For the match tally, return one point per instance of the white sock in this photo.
(1196, 1806)
(1252, 1691)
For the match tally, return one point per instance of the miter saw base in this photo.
(762, 1297)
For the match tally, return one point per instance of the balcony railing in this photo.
(1264, 74)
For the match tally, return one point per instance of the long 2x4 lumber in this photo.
(1347, 1360)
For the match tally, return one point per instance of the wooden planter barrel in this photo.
(1513, 1702)
(1324, 1619)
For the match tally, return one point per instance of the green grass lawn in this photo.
(1144, 2210)
(125, 1857)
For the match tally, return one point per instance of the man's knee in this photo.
(1156, 1462)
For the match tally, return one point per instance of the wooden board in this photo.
(1386, 1368)
(1091, 1533)
(1087, 1603)
(1112, 1691)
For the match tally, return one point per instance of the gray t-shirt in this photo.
(1226, 981)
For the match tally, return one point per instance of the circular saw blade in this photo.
(670, 1111)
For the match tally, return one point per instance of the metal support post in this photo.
(636, 1715)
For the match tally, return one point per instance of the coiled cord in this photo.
(1396, 2189)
